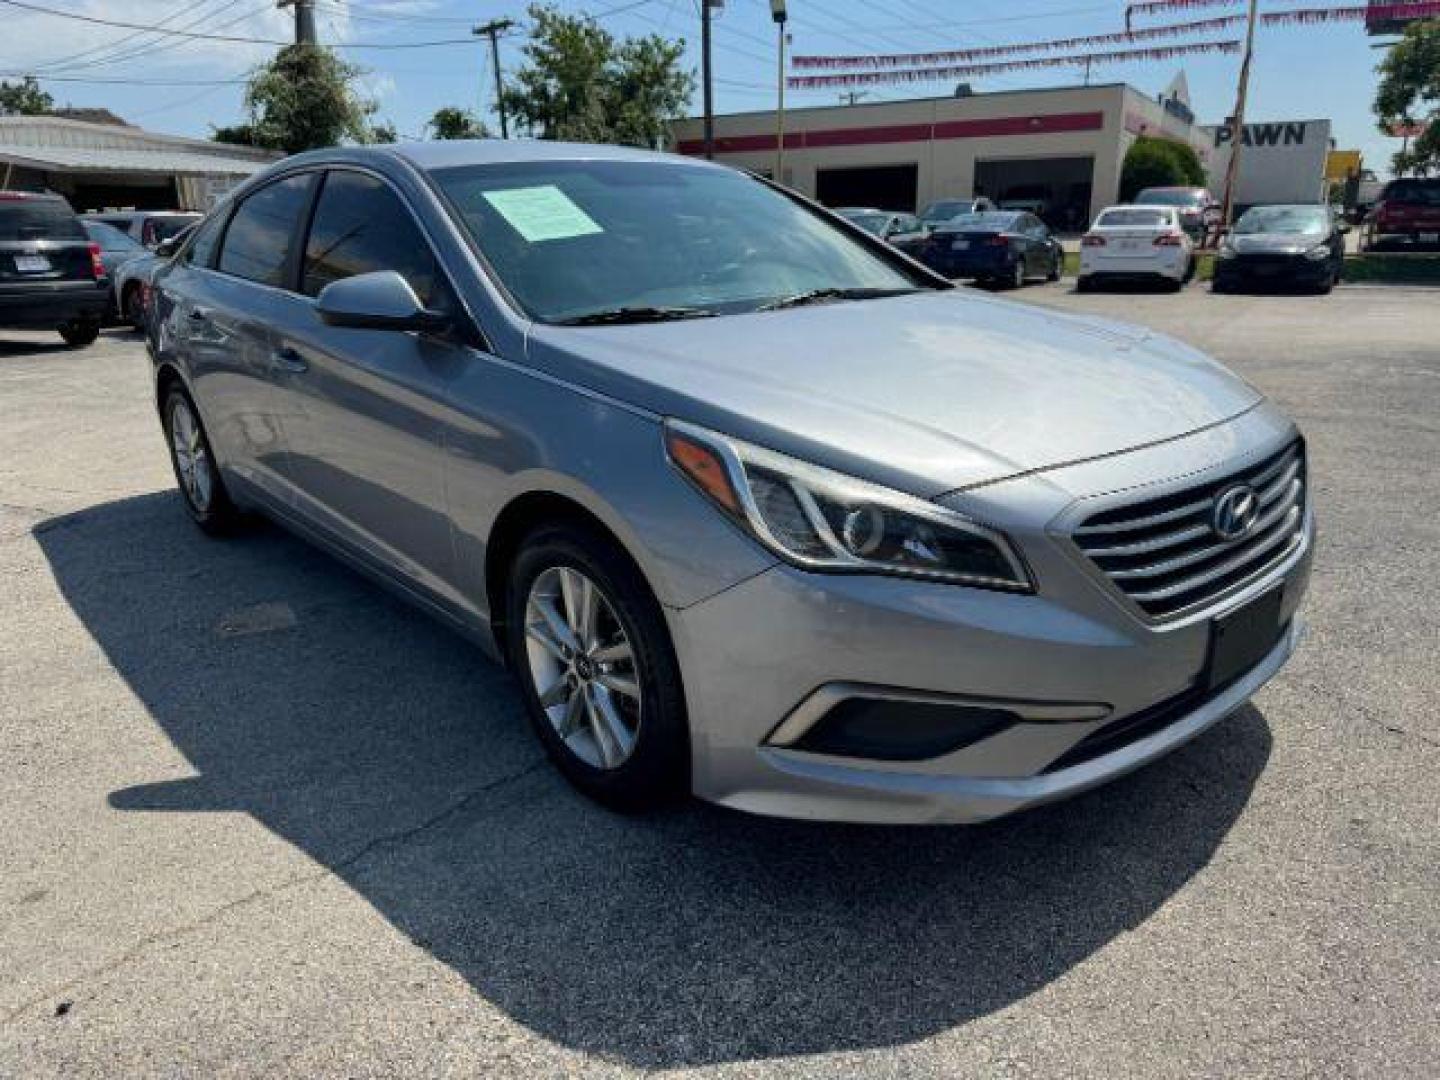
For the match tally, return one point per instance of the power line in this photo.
(224, 37)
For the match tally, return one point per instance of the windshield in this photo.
(1133, 219)
(1170, 197)
(164, 227)
(871, 223)
(570, 239)
(981, 222)
(944, 211)
(111, 238)
(1284, 219)
(1414, 191)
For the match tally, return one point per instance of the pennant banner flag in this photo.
(957, 56)
(944, 62)
(1155, 7)
(931, 74)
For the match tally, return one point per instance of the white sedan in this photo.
(1136, 243)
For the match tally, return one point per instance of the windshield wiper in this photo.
(621, 315)
(821, 296)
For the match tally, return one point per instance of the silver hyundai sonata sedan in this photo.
(753, 506)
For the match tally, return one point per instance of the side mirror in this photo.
(166, 248)
(381, 300)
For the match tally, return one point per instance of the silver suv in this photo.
(754, 506)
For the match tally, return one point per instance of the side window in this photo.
(257, 243)
(201, 250)
(361, 226)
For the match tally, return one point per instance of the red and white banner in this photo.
(1376, 12)
(1155, 7)
(956, 56)
(954, 71)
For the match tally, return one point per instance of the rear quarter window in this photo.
(38, 219)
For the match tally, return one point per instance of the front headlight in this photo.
(1318, 252)
(823, 520)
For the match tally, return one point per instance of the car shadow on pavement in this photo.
(389, 751)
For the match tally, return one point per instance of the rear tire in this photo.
(80, 332)
(648, 764)
(130, 310)
(1057, 267)
(1015, 279)
(1084, 283)
(196, 473)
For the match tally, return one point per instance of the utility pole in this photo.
(705, 77)
(777, 12)
(493, 29)
(1237, 123)
(304, 20)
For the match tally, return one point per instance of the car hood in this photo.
(1274, 243)
(928, 392)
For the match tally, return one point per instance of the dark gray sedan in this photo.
(1282, 246)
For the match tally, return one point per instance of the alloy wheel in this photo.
(192, 460)
(582, 667)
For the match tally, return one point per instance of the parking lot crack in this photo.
(176, 933)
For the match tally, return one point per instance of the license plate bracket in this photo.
(1242, 638)
(960, 245)
(32, 264)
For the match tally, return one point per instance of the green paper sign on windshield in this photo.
(542, 213)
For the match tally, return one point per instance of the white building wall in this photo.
(1280, 161)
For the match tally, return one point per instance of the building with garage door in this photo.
(115, 166)
(1056, 150)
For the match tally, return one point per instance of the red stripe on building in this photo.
(897, 133)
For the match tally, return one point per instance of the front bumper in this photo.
(1073, 659)
(1273, 270)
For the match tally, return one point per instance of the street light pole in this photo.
(777, 12)
(493, 29)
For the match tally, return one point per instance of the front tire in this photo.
(588, 642)
(201, 488)
(131, 310)
(79, 333)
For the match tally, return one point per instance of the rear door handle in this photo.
(288, 359)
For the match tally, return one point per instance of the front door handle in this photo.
(288, 359)
(199, 315)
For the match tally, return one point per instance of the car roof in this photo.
(36, 196)
(864, 210)
(1149, 208)
(445, 153)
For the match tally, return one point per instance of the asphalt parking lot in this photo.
(261, 819)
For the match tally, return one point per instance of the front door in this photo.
(360, 409)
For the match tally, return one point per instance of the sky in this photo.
(187, 87)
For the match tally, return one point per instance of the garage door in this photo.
(1058, 189)
(886, 187)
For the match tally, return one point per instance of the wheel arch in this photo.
(519, 517)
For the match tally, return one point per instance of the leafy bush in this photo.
(1153, 162)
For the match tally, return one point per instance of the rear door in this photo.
(361, 408)
(216, 306)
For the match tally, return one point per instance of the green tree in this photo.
(579, 83)
(24, 98)
(452, 123)
(1154, 162)
(304, 99)
(1409, 93)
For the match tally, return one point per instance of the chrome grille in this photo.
(1163, 554)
